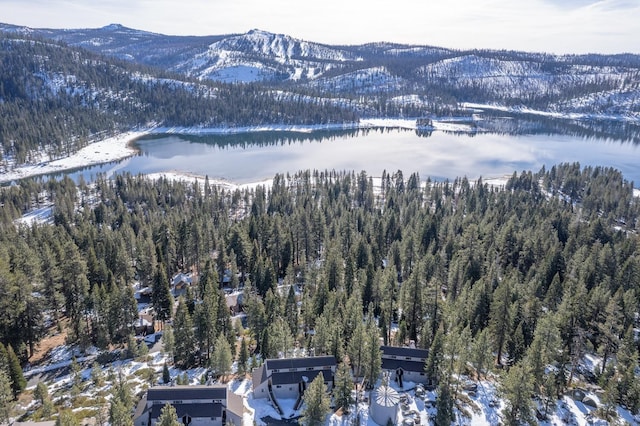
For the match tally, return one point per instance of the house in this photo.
(195, 405)
(405, 364)
(234, 302)
(288, 378)
(144, 325)
(180, 282)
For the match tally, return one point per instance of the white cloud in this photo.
(560, 26)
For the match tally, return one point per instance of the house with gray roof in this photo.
(288, 378)
(404, 364)
(195, 405)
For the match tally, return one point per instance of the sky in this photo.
(554, 26)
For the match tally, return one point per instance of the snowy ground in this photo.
(563, 115)
(104, 151)
(479, 407)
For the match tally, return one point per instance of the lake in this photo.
(251, 157)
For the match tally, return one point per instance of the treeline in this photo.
(530, 277)
(54, 98)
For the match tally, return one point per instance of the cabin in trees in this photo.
(288, 378)
(144, 325)
(404, 364)
(195, 405)
(180, 282)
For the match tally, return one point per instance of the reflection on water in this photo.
(501, 145)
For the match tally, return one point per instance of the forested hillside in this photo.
(521, 281)
(55, 98)
(386, 79)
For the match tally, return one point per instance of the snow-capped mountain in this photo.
(603, 84)
(259, 55)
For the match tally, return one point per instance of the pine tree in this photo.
(41, 392)
(166, 377)
(185, 344)
(18, 382)
(121, 402)
(444, 404)
(481, 352)
(374, 355)
(168, 341)
(168, 416)
(517, 388)
(221, 360)
(97, 377)
(6, 397)
(316, 403)
(628, 384)
(500, 318)
(280, 340)
(161, 295)
(291, 311)
(356, 348)
(119, 414)
(243, 357)
(343, 387)
(432, 366)
(66, 418)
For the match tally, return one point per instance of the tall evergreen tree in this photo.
(168, 342)
(343, 387)
(316, 403)
(6, 397)
(221, 360)
(500, 318)
(517, 388)
(444, 404)
(18, 382)
(168, 416)
(243, 357)
(185, 342)
(161, 295)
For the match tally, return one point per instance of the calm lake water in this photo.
(244, 158)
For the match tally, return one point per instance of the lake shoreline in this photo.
(123, 146)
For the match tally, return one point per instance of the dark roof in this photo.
(393, 364)
(404, 352)
(313, 361)
(260, 375)
(193, 410)
(181, 393)
(295, 377)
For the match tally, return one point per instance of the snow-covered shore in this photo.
(104, 151)
(120, 146)
(552, 114)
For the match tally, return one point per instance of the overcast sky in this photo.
(557, 26)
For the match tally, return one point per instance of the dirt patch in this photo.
(53, 339)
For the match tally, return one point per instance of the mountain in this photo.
(381, 76)
(55, 98)
(77, 84)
